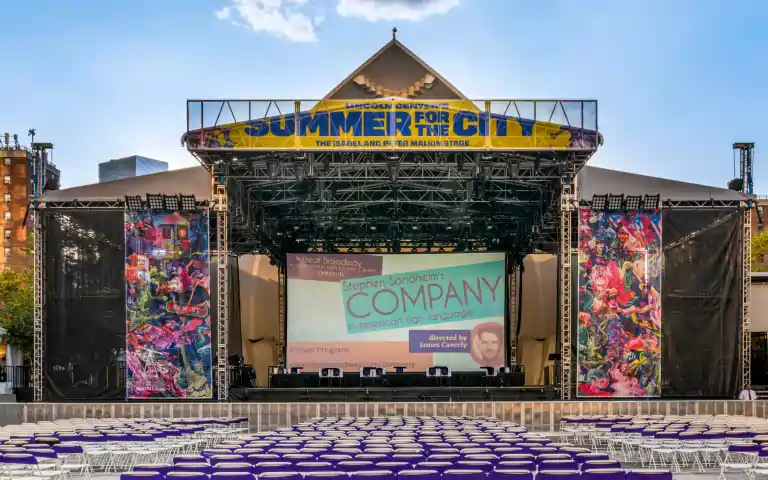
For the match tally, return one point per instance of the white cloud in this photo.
(278, 18)
(289, 20)
(381, 10)
(222, 14)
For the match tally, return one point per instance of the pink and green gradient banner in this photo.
(619, 320)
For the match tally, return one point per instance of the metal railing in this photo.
(392, 124)
(536, 416)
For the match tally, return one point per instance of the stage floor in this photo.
(392, 394)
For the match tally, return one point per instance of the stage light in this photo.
(134, 203)
(633, 202)
(651, 202)
(171, 203)
(188, 203)
(599, 202)
(615, 202)
(485, 169)
(394, 169)
(155, 202)
(300, 169)
(272, 168)
(513, 168)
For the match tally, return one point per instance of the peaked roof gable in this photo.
(395, 71)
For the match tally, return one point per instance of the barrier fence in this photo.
(536, 416)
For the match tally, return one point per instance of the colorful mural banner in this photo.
(619, 320)
(167, 280)
(400, 124)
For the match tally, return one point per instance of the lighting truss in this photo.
(568, 200)
(746, 288)
(281, 202)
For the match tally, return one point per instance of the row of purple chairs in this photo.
(606, 474)
(577, 454)
(355, 466)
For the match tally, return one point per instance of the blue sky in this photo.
(677, 81)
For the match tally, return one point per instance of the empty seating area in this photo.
(698, 443)
(393, 448)
(84, 446)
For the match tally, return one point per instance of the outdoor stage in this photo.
(139, 291)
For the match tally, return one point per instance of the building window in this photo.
(7, 251)
(7, 161)
(7, 233)
(7, 197)
(7, 179)
(7, 215)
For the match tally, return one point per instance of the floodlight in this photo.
(134, 203)
(171, 203)
(651, 202)
(188, 202)
(615, 202)
(633, 202)
(155, 202)
(599, 202)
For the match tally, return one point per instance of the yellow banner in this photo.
(393, 125)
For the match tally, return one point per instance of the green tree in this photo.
(759, 251)
(17, 304)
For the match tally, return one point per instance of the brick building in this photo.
(16, 189)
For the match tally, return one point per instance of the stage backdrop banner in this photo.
(167, 274)
(619, 320)
(410, 310)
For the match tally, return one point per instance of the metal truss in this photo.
(281, 314)
(568, 200)
(746, 286)
(281, 202)
(94, 205)
(688, 204)
(38, 322)
(222, 292)
(514, 304)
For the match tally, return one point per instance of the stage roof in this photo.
(196, 181)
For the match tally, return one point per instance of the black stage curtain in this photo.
(84, 305)
(701, 302)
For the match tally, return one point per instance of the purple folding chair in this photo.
(161, 468)
(528, 465)
(226, 458)
(226, 475)
(600, 465)
(141, 475)
(307, 467)
(350, 466)
(481, 465)
(325, 475)
(373, 475)
(437, 466)
(558, 465)
(264, 467)
(510, 474)
(189, 459)
(585, 457)
(418, 474)
(193, 467)
(394, 467)
(287, 475)
(463, 474)
(648, 475)
(176, 475)
(558, 475)
(233, 467)
(604, 474)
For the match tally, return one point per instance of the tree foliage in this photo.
(759, 252)
(17, 304)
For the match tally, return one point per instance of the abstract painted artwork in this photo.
(167, 277)
(619, 305)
